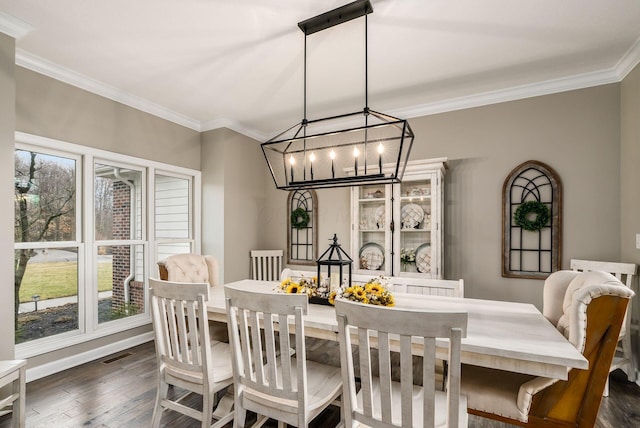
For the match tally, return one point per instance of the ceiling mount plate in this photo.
(336, 16)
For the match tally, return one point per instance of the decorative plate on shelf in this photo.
(423, 258)
(371, 256)
(411, 215)
(378, 218)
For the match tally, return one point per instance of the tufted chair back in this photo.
(190, 268)
(593, 309)
(555, 288)
(573, 329)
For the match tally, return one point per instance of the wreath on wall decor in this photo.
(521, 216)
(299, 218)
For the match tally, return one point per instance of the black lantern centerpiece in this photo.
(334, 259)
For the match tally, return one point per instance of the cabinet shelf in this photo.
(415, 198)
(370, 200)
(418, 200)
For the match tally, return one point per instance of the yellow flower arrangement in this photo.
(303, 285)
(373, 292)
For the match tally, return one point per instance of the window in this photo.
(173, 216)
(46, 245)
(82, 253)
(120, 215)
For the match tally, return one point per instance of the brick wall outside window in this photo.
(122, 254)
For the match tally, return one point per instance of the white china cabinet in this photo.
(396, 229)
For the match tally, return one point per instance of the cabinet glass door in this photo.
(372, 217)
(415, 225)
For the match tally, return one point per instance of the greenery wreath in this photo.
(531, 207)
(299, 218)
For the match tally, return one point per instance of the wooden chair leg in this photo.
(163, 388)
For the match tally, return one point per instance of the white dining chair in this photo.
(593, 308)
(268, 380)
(625, 272)
(13, 390)
(187, 358)
(266, 265)
(381, 401)
(427, 286)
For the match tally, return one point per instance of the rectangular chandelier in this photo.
(364, 147)
(375, 153)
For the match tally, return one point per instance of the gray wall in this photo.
(577, 133)
(53, 109)
(7, 128)
(233, 199)
(630, 165)
(630, 170)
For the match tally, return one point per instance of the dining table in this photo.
(502, 335)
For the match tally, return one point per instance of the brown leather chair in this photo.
(593, 312)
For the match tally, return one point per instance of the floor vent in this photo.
(117, 357)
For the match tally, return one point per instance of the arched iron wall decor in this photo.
(302, 227)
(531, 221)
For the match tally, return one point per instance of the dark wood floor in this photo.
(119, 391)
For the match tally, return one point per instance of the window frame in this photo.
(89, 328)
(194, 212)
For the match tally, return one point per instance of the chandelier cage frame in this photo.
(352, 149)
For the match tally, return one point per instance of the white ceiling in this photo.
(238, 63)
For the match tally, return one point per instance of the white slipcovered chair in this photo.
(590, 317)
(190, 268)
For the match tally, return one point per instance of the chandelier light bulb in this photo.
(332, 154)
(291, 160)
(356, 152)
(312, 157)
(380, 148)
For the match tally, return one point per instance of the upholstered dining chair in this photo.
(591, 315)
(268, 380)
(190, 268)
(382, 402)
(623, 358)
(187, 358)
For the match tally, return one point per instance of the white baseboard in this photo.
(47, 369)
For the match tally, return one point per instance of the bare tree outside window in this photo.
(45, 204)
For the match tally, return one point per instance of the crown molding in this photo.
(14, 27)
(629, 60)
(234, 126)
(515, 93)
(65, 75)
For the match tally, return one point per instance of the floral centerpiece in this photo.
(374, 292)
(306, 285)
(407, 256)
